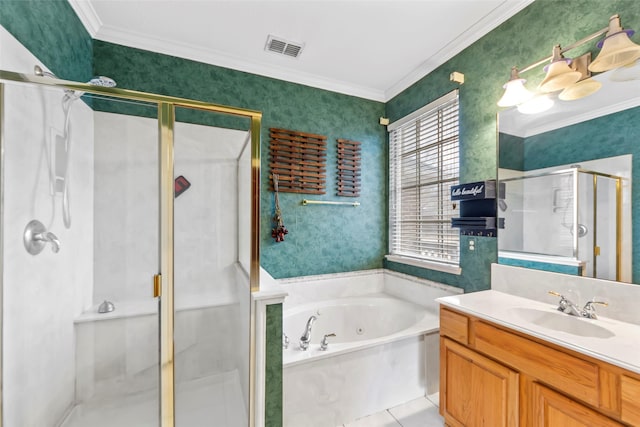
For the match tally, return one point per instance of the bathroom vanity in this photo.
(512, 361)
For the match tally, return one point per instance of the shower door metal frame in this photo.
(166, 122)
(575, 172)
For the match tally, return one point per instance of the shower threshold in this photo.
(215, 400)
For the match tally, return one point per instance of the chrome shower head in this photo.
(74, 94)
(102, 81)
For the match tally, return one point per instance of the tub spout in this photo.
(305, 339)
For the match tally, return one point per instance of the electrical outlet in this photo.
(472, 245)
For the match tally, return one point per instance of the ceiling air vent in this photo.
(283, 47)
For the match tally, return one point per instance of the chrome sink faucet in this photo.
(568, 307)
(305, 339)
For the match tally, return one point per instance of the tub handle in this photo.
(325, 342)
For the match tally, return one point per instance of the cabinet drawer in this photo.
(454, 325)
(630, 393)
(563, 371)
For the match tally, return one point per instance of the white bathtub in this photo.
(358, 322)
(385, 351)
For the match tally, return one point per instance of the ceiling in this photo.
(372, 49)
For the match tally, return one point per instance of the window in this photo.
(423, 165)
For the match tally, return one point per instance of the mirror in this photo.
(566, 183)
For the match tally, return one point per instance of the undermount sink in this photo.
(557, 321)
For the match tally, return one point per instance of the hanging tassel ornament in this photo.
(279, 232)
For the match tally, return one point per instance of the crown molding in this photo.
(169, 47)
(87, 15)
(583, 117)
(489, 22)
(89, 18)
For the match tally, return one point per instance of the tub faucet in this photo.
(306, 337)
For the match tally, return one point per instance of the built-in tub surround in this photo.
(385, 351)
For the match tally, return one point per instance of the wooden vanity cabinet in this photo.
(493, 376)
(479, 392)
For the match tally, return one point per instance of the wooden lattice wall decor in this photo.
(299, 159)
(348, 168)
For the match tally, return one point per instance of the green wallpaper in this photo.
(528, 36)
(321, 239)
(51, 30)
(273, 387)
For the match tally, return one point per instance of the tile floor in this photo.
(215, 400)
(422, 412)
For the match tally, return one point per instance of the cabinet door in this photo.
(476, 391)
(630, 391)
(554, 409)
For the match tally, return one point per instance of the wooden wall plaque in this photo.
(348, 168)
(299, 159)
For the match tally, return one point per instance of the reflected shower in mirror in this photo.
(567, 175)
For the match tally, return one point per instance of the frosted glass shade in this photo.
(580, 90)
(514, 93)
(617, 48)
(559, 76)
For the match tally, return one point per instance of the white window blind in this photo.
(423, 165)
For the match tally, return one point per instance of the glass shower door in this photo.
(80, 248)
(211, 253)
(607, 228)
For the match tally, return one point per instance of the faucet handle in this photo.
(563, 300)
(285, 341)
(590, 310)
(325, 342)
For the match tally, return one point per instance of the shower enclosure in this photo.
(133, 306)
(566, 221)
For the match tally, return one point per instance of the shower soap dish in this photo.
(106, 307)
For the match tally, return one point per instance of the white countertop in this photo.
(621, 349)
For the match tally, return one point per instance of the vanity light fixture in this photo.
(617, 51)
(514, 91)
(559, 74)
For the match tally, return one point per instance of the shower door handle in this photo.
(157, 285)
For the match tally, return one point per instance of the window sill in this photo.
(431, 265)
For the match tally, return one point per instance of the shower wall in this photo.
(126, 207)
(42, 293)
(206, 218)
